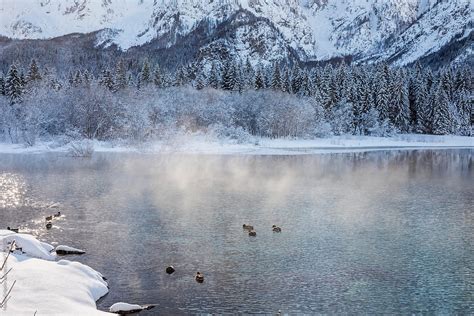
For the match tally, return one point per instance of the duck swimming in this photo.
(252, 233)
(247, 227)
(170, 270)
(58, 214)
(276, 229)
(49, 218)
(49, 225)
(199, 277)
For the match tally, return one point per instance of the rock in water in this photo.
(66, 250)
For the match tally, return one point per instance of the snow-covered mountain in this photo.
(401, 31)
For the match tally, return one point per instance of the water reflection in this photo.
(364, 233)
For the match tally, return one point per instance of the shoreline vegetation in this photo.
(142, 103)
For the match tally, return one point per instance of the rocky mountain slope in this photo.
(400, 31)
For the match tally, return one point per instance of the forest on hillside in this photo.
(233, 99)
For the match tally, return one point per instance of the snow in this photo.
(48, 287)
(316, 29)
(124, 307)
(29, 244)
(206, 144)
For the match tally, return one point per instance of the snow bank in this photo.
(29, 244)
(206, 144)
(49, 287)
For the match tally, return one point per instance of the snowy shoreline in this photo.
(46, 286)
(205, 144)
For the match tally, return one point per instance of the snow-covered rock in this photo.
(47, 287)
(66, 250)
(125, 308)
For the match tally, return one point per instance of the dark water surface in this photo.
(363, 233)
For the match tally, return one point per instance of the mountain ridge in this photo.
(374, 30)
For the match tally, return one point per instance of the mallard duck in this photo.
(49, 225)
(252, 233)
(58, 214)
(247, 227)
(170, 270)
(15, 230)
(49, 218)
(276, 229)
(199, 277)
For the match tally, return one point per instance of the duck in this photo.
(15, 230)
(49, 218)
(58, 214)
(276, 229)
(49, 225)
(199, 277)
(252, 233)
(247, 227)
(170, 270)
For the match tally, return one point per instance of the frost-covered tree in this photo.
(382, 93)
(441, 113)
(214, 76)
(259, 79)
(228, 76)
(2, 85)
(33, 72)
(399, 103)
(120, 76)
(276, 77)
(145, 74)
(106, 80)
(13, 85)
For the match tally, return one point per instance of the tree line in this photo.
(272, 100)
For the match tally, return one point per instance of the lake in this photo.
(362, 233)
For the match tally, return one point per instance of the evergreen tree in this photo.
(295, 79)
(400, 107)
(200, 81)
(423, 109)
(158, 77)
(441, 113)
(13, 85)
(228, 76)
(259, 81)
(120, 76)
(77, 81)
(33, 72)
(106, 80)
(145, 74)
(382, 91)
(285, 82)
(214, 76)
(87, 76)
(2, 85)
(276, 77)
(249, 75)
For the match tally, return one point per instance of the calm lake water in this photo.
(363, 233)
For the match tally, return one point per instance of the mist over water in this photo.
(363, 233)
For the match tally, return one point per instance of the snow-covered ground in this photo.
(45, 286)
(204, 144)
